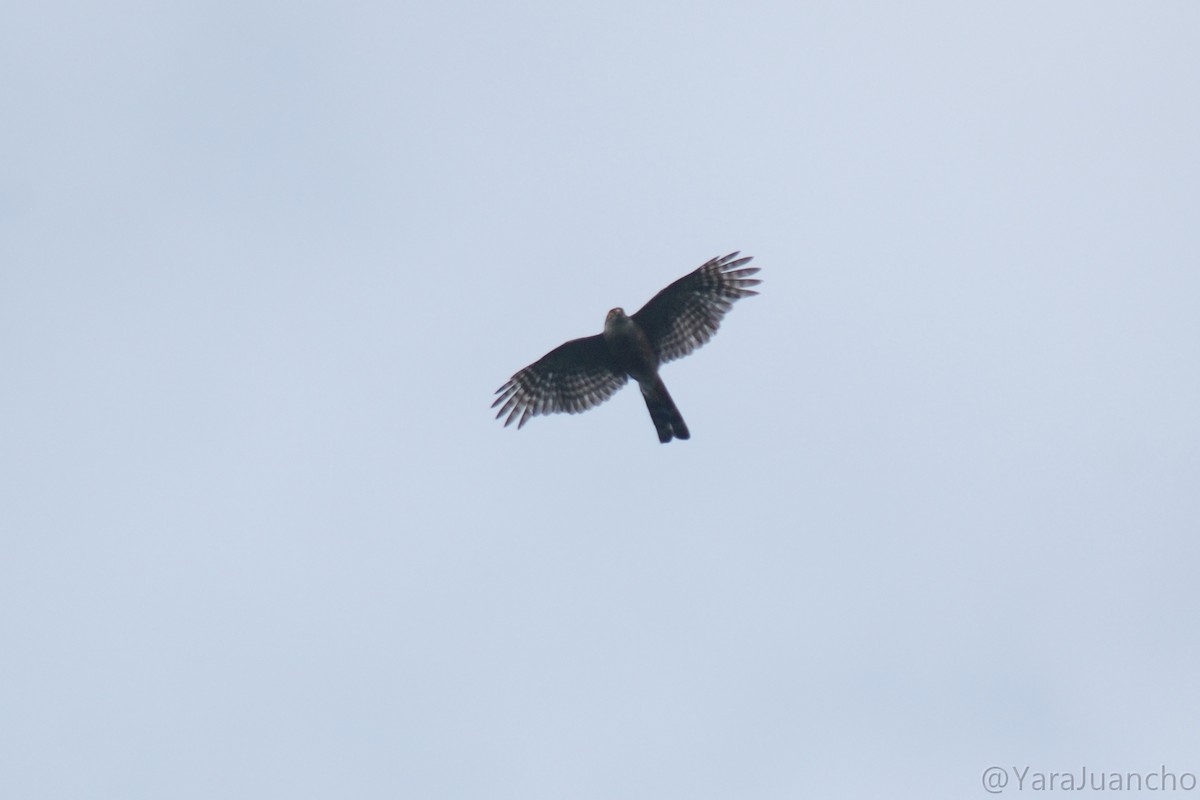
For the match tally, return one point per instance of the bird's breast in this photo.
(631, 348)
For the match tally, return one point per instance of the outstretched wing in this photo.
(687, 313)
(570, 378)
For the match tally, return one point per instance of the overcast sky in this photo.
(263, 264)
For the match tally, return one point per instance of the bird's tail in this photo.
(667, 419)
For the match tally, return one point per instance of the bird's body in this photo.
(585, 372)
(634, 354)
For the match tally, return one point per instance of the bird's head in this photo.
(616, 320)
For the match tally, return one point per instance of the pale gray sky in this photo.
(262, 266)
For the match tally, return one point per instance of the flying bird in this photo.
(583, 373)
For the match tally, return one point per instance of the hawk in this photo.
(583, 373)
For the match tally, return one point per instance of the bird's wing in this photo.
(570, 378)
(687, 313)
